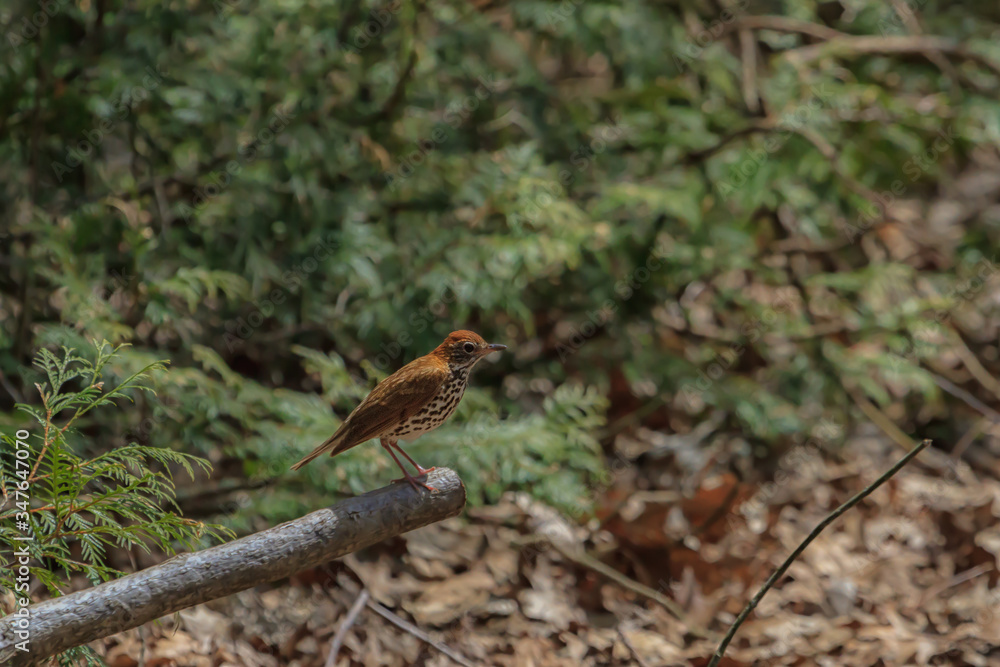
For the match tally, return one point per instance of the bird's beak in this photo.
(494, 347)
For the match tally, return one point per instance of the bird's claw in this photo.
(415, 483)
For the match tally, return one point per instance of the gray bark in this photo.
(189, 579)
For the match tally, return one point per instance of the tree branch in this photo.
(862, 45)
(786, 24)
(189, 579)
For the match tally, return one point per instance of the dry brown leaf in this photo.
(442, 602)
(654, 648)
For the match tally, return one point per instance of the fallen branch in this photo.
(189, 579)
(805, 543)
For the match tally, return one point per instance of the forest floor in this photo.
(908, 577)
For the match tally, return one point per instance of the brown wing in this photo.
(392, 401)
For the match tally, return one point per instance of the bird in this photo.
(416, 399)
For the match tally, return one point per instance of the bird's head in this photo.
(463, 349)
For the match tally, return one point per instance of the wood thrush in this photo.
(414, 400)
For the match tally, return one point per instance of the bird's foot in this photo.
(414, 482)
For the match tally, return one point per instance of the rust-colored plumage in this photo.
(414, 400)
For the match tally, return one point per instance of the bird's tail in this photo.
(331, 443)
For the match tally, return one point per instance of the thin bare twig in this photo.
(858, 497)
(968, 438)
(974, 366)
(968, 575)
(399, 92)
(880, 419)
(935, 460)
(418, 633)
(965, 396)
(352, 615)
(754, 127)
(909, 19)
(919, 45)
(787, 24)
(825, 34)
(830, 153)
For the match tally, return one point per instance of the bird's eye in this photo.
(469, 347)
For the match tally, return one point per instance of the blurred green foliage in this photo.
(291, 200)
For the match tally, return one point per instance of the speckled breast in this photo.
(434, 413)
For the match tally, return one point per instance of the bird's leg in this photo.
(420, 469)
(387, 445)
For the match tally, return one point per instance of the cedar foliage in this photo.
(73, 507)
